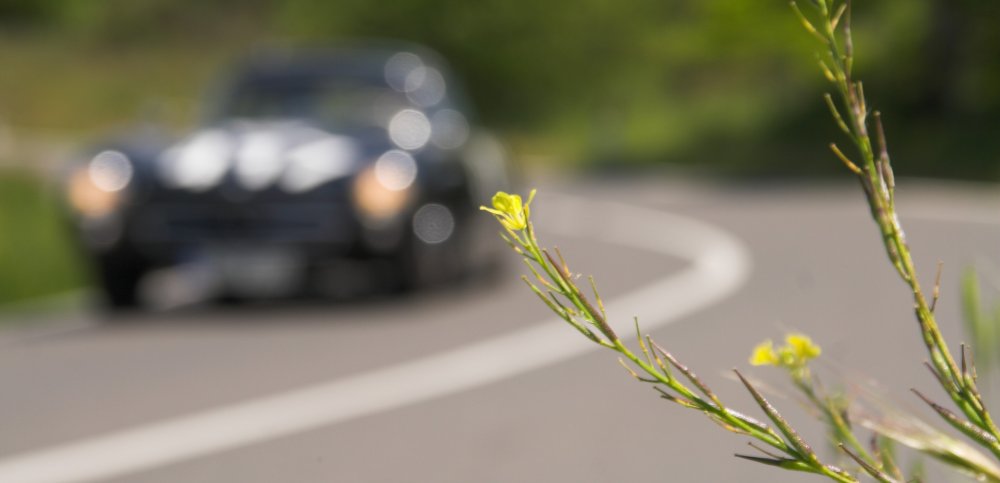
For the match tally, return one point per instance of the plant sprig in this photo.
(556, 285)
(829, 21)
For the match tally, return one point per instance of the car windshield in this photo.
(334, 103)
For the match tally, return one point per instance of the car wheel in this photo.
(119, 276)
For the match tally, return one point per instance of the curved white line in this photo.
(719, 266)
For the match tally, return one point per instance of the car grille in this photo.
(272, 223)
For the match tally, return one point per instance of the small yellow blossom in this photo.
(509, 210)
(795, 354)
(764, 355)
(802, 347)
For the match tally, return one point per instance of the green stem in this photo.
(842, 431)
(874, 173)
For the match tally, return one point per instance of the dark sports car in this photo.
(318, 170)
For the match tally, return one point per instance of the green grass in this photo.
(37, 255)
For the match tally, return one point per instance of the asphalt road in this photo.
(478, 383)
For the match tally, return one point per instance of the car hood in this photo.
(290, 155)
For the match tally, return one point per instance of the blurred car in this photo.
(315, 170)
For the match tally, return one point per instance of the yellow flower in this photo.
(795, 354)
(509, 210)
(764, 355)
(802, 347)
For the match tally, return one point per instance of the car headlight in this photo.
(96, 190)
(383, 190)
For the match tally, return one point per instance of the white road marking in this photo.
(719, 265)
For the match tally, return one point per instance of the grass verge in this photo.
(37, 256)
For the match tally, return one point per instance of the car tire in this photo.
(119, 276)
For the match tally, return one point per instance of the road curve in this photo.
(717, 264)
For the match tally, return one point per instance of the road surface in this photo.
(479, 383)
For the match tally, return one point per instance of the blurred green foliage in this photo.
(36, 257)
(705, 84)
(717, 86)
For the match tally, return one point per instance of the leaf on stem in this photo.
(689, 375)
(945, 383)
(883, 450)
(775, 416)
(510, 243)
(551, 303)
(764, 451)
(595, 315)
(871, 470)
(861, 104)
(561, 269)
(835, 20)
(966, 427)
(785, 463)
(883, 154)
(937, 287)
(563, 266)
(538, 276)
(635, 374)
(965, 371)
(848, 39)
(659, 361)
(827, 72)
(562, 311)
(806, 23)
(597, 296)
(835, 112)
(844, 159)
(676, 399)
(642, 344)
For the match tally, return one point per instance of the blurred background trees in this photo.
(709, 86)
(691, 86)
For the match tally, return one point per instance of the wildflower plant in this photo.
(778, 443)
(555, 284)
(795, 355)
